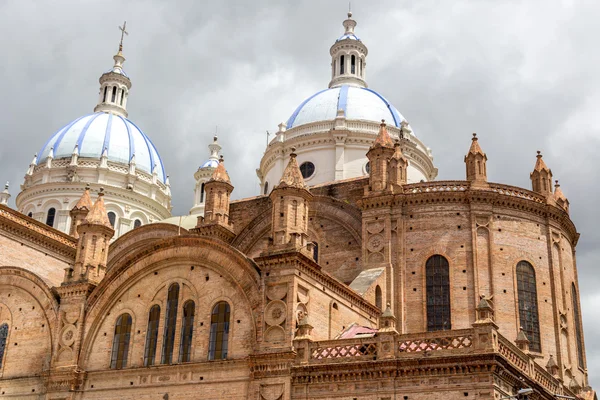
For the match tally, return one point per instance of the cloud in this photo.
(522, 74)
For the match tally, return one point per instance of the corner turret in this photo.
(475, 161)
(541, 177)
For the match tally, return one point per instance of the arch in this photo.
(112, 217)
(378, 297)
(342, 64)
(218, 342)
(577, 322)
(51, 216)
(120, 347)
(137, 223)
(437, 282)
(353, 64)
(170, 324)
(187, 331)
(528, 306)
(105, 92)
(122, 96)
(113, 98)
(151, 336)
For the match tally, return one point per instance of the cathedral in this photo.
(352, 274)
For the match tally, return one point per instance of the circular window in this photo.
(368, 167)
(307, 169)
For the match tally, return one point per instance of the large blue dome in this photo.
(358, 103)
(95, 132)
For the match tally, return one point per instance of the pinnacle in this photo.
(85, 202)
(98, 214)
(540, 165)
(292, 175)
(383, 137)
(475, 148)
(220, 174)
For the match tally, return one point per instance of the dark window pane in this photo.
(3, 336)
(112, 217)
(187, 331)
(170, 321)
(219, 332)
(438, 293)
(307, 169)
(50, 217)
(576, 321)
(528, 310)
(120, 347)
(151, 336)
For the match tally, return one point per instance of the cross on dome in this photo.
(123, 32)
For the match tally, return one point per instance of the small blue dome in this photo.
(118, 71)
(210, 164)
(95, 132)
(351, 36)
(358, 104)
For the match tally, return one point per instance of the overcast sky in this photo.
(522, 74)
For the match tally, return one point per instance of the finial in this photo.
(6, 186)
(349, 10)
(215, 138)
(539, 154)
(101, 192)
(293, 153)
(474, 136)
(221, 158)
(87, 186)
(382, 122)
(123, 33)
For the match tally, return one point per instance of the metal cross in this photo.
(123, 32)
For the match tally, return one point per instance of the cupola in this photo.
(348, 58)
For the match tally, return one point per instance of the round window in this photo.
(307, 169)
(368, 167)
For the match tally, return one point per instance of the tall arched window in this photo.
(50, 217)
(316, 252)
(187, 332)
(378, 299)
(112, 218)
(528, 307)
(438, 293)
(105, 92)
(576, 321)
(120, 346)
(353, 64)
(122, 96)
(137, 223)
(202, 193)
(266, 188)
(3, 337)
(30, 215)
(341, 65)
(151, 335)
(170, 321)
(114, 94)
(219, 332)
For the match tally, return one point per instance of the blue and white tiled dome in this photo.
(95, 132)
(210, 164)
(358, 103)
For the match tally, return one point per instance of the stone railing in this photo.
(514, 355)
(517, 192)
(343, 350)
(440, 186)
(435, 341)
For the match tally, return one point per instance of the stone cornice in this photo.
(307, 266)
(37, 233)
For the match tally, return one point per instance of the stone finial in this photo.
(292, 177)
(383, 138)
(98, 214)
(220, 173)
(560, 198)
(4, 195)
(475, 148)
(521, 341)
(387, 320)
(540, 165)
(552, 366)
(85, 202)
(304, 330)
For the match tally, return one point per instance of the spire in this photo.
(214, 148)
(98, 214)
(398, 166)
(522, 341)
(379, 155)
(80, 211)
(220, 173)
(541, 177)
(4, 195)
(383, 138)
(115, 84)
(560, 197)
(292, 177)
(32, 165)
(348, 55)
(475, 161)
(85, 202)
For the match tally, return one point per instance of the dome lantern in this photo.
(348, 58)
(115, 84)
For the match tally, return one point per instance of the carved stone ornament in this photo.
(272, 392)
(375, 243)
(275, 313)
(375, 227)
(276, 292)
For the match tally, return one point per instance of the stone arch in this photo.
(163, 254)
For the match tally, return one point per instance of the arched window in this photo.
(316, 252)
(105, 92)
(341, 65)
(187, 331)
(576, 321)
(151, 335)
(170, 321)
(112, 217)
(50, 217)
(219, 332)
(333, 68)
(528, 307)
(378, 299)
(202, 193)
(122, 96)
(3, 337)
(361, 67)
(30, 215)
(438, 293)
(137, 223)
(353, 64)
(114, 94)
(266, 188)
(120, 346)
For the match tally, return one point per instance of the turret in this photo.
(475, 161)
(541, 177)
(95, 232)
(80, 211)
(560, 198)
(398, 166)
(4, 195)
(379, 154)
(202, 175)
(291, 199)
(348, 58)
(215, 221)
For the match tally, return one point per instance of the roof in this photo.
(292, 177)
(540, 165)
(475, 148)
(85, 201)
(220, 173)
(94, 132)
(210, 164)
(357, 103)
(350, 36)
(98, 214)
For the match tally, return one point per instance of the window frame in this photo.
(187, 332)
(170, 325)
(121, 342)
(223, 352)
(531, 325)
(151, 334)
(434, 291)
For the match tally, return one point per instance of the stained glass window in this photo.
(120, 347)
(219, 332)
(170, 321)
(438, 293)
(187, 331)
(3, 337)
(151, 335)
(528, 307)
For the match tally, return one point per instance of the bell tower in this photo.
(348, 58)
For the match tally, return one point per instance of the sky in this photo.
(522, 74)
